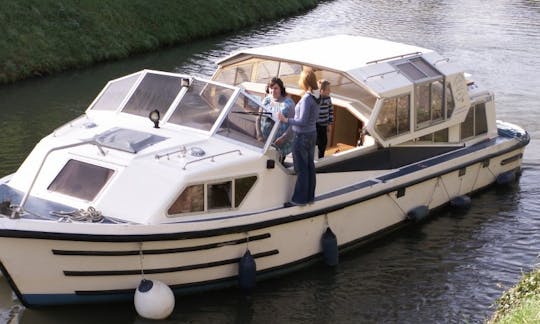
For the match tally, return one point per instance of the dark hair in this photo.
(276, 80)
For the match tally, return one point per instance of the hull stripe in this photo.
(69, 273)
(162, 251)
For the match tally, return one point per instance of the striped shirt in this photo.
(326, 111)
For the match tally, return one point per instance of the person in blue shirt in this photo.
(303, 123)
(277, 101)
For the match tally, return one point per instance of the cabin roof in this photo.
(340, 52)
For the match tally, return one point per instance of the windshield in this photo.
(201, 105)
(114, 93)
(244, 120)
(190, 102)
(155, 91)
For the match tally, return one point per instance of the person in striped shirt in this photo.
(326, 116)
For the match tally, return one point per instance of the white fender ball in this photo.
(154, 299)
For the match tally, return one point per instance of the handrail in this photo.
(17, 211)
(211, 157)
(182, 150)
(380, 74)
(393, 57)
(441, 60)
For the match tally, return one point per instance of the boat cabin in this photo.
(397, 94)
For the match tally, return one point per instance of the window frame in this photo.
(475, 120)
(421, 73)
(396, 114)
(232, 195)
(72, 171)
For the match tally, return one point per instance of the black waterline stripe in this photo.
(163, 251)
(162, 270)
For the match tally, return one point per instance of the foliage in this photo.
(521, 303)
(45, 36)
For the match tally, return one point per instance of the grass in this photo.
(45, 36)
(521, 303)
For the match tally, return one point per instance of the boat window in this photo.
(436, 106)
(127, 140)
(416, 69)
(393, 118)
(449, 100)
(156, 91)
(438, 136)
(219, 195)
(215, 196)
(290, 72)
(345, 87)
(191, 200)
(81, 180)
(241, 188)
(236, 74)
(114, 93)
(201, 105)
(480, 119)
(421, 95)
(243, 119)
(428, 103)
(475, 123)
(266, 70)
(467, 126)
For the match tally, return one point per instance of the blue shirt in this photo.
(285, 106)
(306, 114)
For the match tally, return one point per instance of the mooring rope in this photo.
(91, 215)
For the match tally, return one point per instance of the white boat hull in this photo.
(63, 263)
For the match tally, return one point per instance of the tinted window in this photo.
(219, 195)
(191, 200)
(235, 74)
(394, 117)
(201, 105)
(81, 180)
(266, 70)
(156, 91)
(429, 103)
(480, 119)
(386, 120)
(241, 188)
(241, 122)
(467, 127)
(422, 104)
(114, 93)
(449, 100)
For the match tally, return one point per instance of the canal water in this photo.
(450, 269)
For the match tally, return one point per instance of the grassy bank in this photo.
(46, 36)
(521, 303)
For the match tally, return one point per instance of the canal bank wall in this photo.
(41, 37)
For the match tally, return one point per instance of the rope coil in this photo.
(91, 215)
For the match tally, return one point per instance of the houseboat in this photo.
(165, 178)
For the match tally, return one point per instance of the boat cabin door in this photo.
(346, 130)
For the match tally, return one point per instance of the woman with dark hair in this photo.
(277, 101)
(305, 137)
